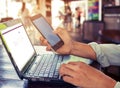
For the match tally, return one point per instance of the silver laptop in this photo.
(27, 62)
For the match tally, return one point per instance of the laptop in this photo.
(29, 64)
(9, 23)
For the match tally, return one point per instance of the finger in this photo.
(66, 71)
(59, 31)
(41, 38)
(72, 67)
(79, 64)
(71, 80)
(73, 63)
(43, 41)
(48, 48)
(68, 79)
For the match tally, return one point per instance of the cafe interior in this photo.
(85, 20)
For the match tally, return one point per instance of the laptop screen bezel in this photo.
(26, 66)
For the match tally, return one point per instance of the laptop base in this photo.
(51, 84)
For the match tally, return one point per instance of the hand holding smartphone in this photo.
(47, 31)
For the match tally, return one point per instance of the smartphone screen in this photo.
(47, 31)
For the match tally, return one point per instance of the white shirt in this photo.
(107, 54)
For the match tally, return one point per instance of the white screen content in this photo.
(18, 44)
(46, 30)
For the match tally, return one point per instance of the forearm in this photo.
(83, 50)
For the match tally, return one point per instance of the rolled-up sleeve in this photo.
(117, 85)
(107, 54)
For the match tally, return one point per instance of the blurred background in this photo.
(83, 19)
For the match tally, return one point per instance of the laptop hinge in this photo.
(29, 64)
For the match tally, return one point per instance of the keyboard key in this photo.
(51, 75)
(48, 66)
(46, 75)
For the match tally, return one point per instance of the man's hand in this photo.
(63, 34)
(44, 42)
(85, 76)
(68, 42)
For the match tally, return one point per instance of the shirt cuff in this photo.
(101, 58)
(117, 85)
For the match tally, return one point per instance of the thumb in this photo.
(60, 32)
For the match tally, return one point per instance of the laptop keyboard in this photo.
(46, 65)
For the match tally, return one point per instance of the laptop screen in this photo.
(18, 44)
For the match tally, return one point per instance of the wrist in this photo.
(113, 83)
(82, 50)
(73, 47)
(110, 83)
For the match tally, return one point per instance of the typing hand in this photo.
(85, 76)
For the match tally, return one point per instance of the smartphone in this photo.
(47, 31)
